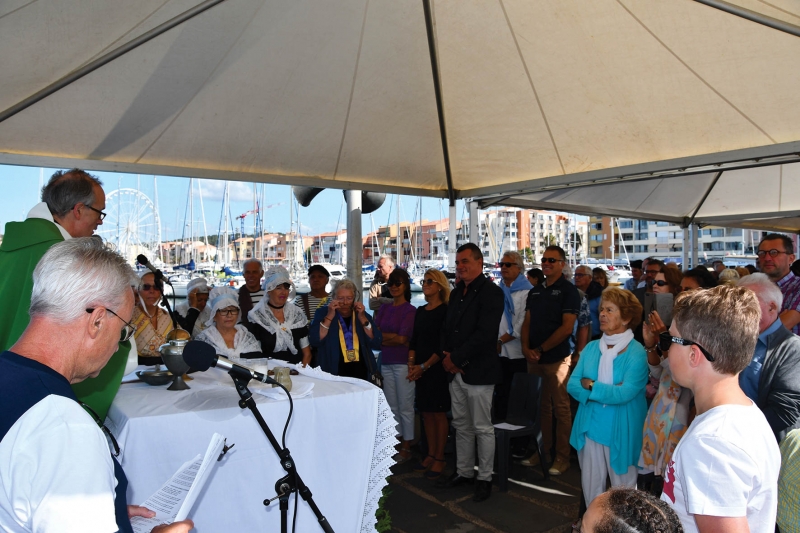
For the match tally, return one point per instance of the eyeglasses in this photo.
(659, 282)
(395, 284)
(228, 312)
(772, 253)
(665, 340)
(285, 286)
(127, 331)
(148, 287)
(102, 215)
(507, 265)
(550, 260)
(109, 437)
(579, 274)
(652, 272)
(428, 281)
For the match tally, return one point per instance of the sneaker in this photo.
(559, 467)
(533, 460)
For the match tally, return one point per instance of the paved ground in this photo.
(531, 504)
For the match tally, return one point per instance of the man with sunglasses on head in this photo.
(551, 311)
(73, 204)
(57, 470)
(775, 258)
(723, 475)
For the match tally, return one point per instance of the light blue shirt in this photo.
(748, 379)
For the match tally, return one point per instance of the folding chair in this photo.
(523, 410)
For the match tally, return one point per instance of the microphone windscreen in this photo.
(199, 355)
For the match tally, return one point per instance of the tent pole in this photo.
(106, 58)
(354, 247)
(685, 248)
(453, 244)
(753, 16)
(705, 196)
(474, 224)
(693, 238)
(437, 89)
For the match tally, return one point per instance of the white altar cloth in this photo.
(341, 437)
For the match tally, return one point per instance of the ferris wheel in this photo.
(132, 224)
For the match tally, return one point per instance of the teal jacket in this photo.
(626, 397)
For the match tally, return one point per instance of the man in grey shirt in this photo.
(378, 292)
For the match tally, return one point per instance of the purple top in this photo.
(399, 320)
(790, 287)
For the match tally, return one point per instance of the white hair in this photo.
(516, 258)
(76, 275)
(345, 284)
(585, 269)
(386, 257)
(769, 292)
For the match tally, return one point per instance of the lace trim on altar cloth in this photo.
(383, 446)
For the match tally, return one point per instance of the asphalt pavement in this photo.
(531, 504)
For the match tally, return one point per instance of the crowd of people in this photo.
(681, 389)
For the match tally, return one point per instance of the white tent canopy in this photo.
(341, 94)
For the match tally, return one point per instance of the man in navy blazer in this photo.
(469, 346)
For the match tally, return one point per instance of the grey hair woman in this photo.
(345, 334)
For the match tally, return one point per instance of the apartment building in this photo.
(664, 240)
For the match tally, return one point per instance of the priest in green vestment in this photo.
(72, 206)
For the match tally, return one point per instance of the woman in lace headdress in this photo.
(151, 321)
(222, 332)
(194, 312)
(281, 328)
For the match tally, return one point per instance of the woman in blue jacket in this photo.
(609, 384)
(345, 334)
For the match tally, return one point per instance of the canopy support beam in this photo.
(437, 89)
(753, 16)
(355, 248)
(80, 72)
(705, 196)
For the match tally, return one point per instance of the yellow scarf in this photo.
(350, 356)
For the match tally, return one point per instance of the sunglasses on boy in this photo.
(665, 340)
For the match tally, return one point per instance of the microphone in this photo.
(142, 260)
(201, 356)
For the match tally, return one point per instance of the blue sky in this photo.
(20, 190)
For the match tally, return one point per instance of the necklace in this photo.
(276, 306)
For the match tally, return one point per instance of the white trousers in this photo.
(595, 464)
(472, 419)
(400, 395)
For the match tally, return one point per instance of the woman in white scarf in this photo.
(222, 332)
(609, 384)
(281, 328)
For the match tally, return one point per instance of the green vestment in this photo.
(24, 244)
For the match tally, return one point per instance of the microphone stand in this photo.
(291, 482)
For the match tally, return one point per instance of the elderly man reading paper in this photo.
(57, 473)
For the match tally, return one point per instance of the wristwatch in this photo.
(591, 385)
(367, 325)
(539, 349)
(422, 366)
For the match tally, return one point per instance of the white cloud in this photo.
(215, 189)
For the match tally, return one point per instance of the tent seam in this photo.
(533, 87)
(696, 74)
(352, 91)
(127, 32)
(200, 87)
(15, 10)
(780, 9)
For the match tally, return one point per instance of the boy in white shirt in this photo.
(724, 473)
